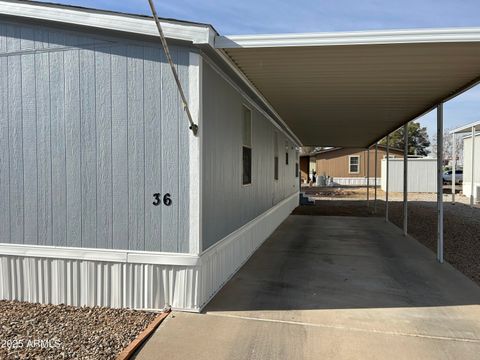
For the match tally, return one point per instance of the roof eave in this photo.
(195, 33)
(349, 38)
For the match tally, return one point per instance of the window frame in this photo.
(244, 146)
(350, 157)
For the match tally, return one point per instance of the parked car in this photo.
(447, 177)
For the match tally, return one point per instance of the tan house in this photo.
(346, 166)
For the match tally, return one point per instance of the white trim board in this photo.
(349, 38)
(197, 34)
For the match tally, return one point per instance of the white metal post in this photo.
(472, 187)
(405, 178)
(440, 182)
(454, 166)
(368, 177)
(387, 175)
(375, 181)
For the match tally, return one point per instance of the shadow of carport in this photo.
(332, 287)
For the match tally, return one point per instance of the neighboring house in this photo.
(106, 197)
(347, 166)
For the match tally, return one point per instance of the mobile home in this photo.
(106, 196)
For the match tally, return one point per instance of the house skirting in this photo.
(354, 181)
(126, 279)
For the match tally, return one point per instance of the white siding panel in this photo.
(227, 204)
(103, 115)
(4, 150)
(170, 174)
(72, 148)
(29, 152)
(422, 175)
(119, 147)
(16, 146)
(153, 146)
(57, 119)
(136, 149)
(44, 158)
(90, 129)
(88, 148)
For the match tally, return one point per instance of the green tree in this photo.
(418, 141)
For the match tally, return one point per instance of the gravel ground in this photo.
(461, 222)
(34, 331)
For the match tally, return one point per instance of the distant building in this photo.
(346, 166)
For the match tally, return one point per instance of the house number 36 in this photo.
(158, 199)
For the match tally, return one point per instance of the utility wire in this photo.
(193, 126)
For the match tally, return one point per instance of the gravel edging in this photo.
(36, 331)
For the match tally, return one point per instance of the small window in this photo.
(275, 158)
(296, 170)
(354, 164)
(246, 146)
(286, 152)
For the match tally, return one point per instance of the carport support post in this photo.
(405, 178)
(387, 175)
(454, 166)
(440, 182)
(368, 177)
(375, 181)
(473, 167)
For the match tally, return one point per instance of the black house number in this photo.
(167, 200)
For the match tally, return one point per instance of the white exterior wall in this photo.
(90, 128)
(467, 167)
(422, 175)
(227, 204)
(77, 223)
(139, 280)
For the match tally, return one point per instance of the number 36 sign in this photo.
(167, 201)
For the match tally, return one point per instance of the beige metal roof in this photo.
(351, 89)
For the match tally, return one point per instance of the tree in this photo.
(418, 141)
(448, 147)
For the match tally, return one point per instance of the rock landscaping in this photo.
(35, 331)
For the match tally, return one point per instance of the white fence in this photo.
(422, 175)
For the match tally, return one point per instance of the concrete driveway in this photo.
(332, 288)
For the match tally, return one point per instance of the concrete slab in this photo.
(332, 288)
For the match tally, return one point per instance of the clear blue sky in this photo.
(279, 16)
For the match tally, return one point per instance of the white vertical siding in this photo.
(467, 167)
(91, 127)
(227, 204)
(422, 175)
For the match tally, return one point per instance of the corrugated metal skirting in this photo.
(136, 285)
(95, 283)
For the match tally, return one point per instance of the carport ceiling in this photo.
(351, 89)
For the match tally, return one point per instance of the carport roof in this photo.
(351, 89)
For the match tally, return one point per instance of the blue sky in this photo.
(279, 16)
